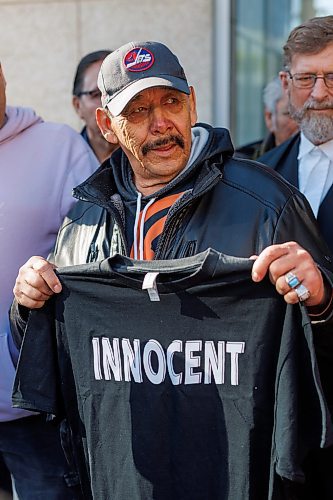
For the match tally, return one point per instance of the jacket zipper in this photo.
(117, 218)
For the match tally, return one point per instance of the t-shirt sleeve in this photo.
(36, 385)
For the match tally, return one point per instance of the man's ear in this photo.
(2, 76)
(193, 107)
(76, 105)
(284, 80)
(104, 123)
(268, 115)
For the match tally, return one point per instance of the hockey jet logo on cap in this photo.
(138, 59)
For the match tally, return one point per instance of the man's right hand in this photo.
(36, 283)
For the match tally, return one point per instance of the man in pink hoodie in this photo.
(40, 163)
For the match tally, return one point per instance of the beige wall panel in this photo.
(185, 26)
(42, 40)
(38, 43)
(34, 2)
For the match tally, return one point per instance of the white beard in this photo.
(317, 128)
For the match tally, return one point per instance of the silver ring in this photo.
(292, 280)
(302, 293)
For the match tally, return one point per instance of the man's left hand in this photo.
(294, 274)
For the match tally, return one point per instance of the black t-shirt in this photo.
(212, 392)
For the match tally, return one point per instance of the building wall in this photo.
(41, 42)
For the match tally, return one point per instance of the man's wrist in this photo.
(322, 311)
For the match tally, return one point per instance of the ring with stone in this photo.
(302, 292)
(292, 280)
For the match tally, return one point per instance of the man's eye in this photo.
(137, 114)
(172, 100)
(329, 76)
(140, 109)
(95, 94)
(305, 78)
(173, 105)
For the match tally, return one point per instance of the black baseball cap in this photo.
(137, 66)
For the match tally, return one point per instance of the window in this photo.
(259, 31)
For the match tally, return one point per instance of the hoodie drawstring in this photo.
(142, 225)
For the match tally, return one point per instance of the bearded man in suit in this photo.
(306, 159)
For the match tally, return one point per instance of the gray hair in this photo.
(272, 93)
(311, 37)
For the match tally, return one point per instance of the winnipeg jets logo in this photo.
(138, 59)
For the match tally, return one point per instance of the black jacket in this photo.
(283, 160)
(236, 206)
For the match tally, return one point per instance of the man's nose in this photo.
(320, 90)
(159, 121)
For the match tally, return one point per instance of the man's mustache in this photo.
(311, 104)
(171, 139)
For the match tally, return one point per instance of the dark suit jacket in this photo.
(283, 159)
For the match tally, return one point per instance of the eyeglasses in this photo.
(308, 80)
(94, 94)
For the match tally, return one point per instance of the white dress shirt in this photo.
(315, 171)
